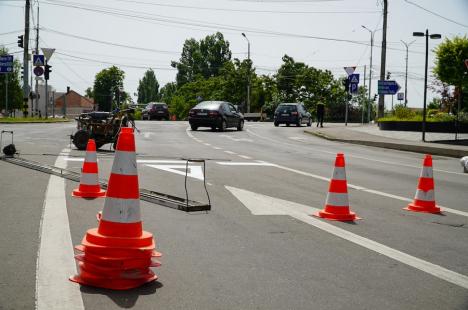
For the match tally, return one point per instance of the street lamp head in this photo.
(243, 34)
(418, 34)
(435, 36)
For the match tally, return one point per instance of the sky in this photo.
(139, 34)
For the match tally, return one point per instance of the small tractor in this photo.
(103, 127)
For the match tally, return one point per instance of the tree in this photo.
(203, 58)
(148, 88)
(89, 92)
(15, 93)
(449, 65)
(167, 92)
(108, 84)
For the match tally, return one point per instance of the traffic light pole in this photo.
(26, 53)
(37, 53)
(6, 93)
(46, 94)
(381, 105)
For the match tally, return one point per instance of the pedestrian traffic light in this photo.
(47, 71)
(20, 41)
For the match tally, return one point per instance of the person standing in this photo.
(320, 113)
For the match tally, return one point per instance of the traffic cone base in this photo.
(89, 279)
(416, 207)
(85, 193)
(350, 216)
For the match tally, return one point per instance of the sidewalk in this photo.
(439, 143)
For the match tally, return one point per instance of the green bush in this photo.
(403, 113)
(137, 115)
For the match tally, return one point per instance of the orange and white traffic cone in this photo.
(337, 205)
(89, 179)
(424, 199)
(118, 254)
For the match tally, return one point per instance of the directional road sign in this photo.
(38, 60)
(388, 87)
(354, 78)
(6, 64)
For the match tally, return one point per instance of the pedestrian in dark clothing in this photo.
(320, 113)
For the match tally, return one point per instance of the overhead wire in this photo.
(436, 14)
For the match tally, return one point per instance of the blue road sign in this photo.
(354, 78)
(388, 87)
(38, 60)
(6, 64)
(353, 88)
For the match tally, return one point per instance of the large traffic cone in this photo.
(337, 205)
(424, 199)
(118, 254)
(89, 179)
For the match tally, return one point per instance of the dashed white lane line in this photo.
(243, 163)
(207, 144)
(55, 261)
(230, 152)
(217, 148)
(245, 157)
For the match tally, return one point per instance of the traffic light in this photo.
(47, 71)
(375, 97)
(22, 70)
(388, 75)
(68, 90)
(20, 41)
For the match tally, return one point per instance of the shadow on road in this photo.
(124, 299)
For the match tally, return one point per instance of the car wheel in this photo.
(309, 123)
(80, 139)
(240, 126)
(194, 128)
(276, 124)
(223, 126)
(299, 122)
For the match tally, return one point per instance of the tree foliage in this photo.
(203, 58)
(148, 88)
(449, 65)
(107, 88)
(15, 93)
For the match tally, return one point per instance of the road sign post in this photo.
(6, 66)
(349, 71)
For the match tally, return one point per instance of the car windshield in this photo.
(208, 105)
(286, 108)
(161, 105)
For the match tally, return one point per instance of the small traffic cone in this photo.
(337, 205)
(89, 179)
(424, 199)
(118, 254)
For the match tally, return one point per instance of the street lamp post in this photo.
(370, 69)
(432, 36)
(407, 45)
(248, 76)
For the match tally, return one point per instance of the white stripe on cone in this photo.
(425, 196)
(91, 157)
(121, 210)
(426, 172)
(337, 200)
(339, 173)
(124, 163)
(89, 179)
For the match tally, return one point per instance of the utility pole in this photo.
(37, 53)
(407, 45)
(362, 108)
(6, 94)
(248, 74)
(381, 105)
(26, 54)
(370, 69)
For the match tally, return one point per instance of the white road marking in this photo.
(147, 135)
(264, 205)
(230, 152)
(245, 157)
(195, 172)
(236, 139)
(207, 144)
(55, 261)
(231, 163)
(297, 138)
(217, 148)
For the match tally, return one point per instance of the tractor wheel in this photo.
(80, 139)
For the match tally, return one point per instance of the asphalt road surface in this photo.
(259, 247)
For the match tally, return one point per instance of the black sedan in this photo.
(216, 115)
